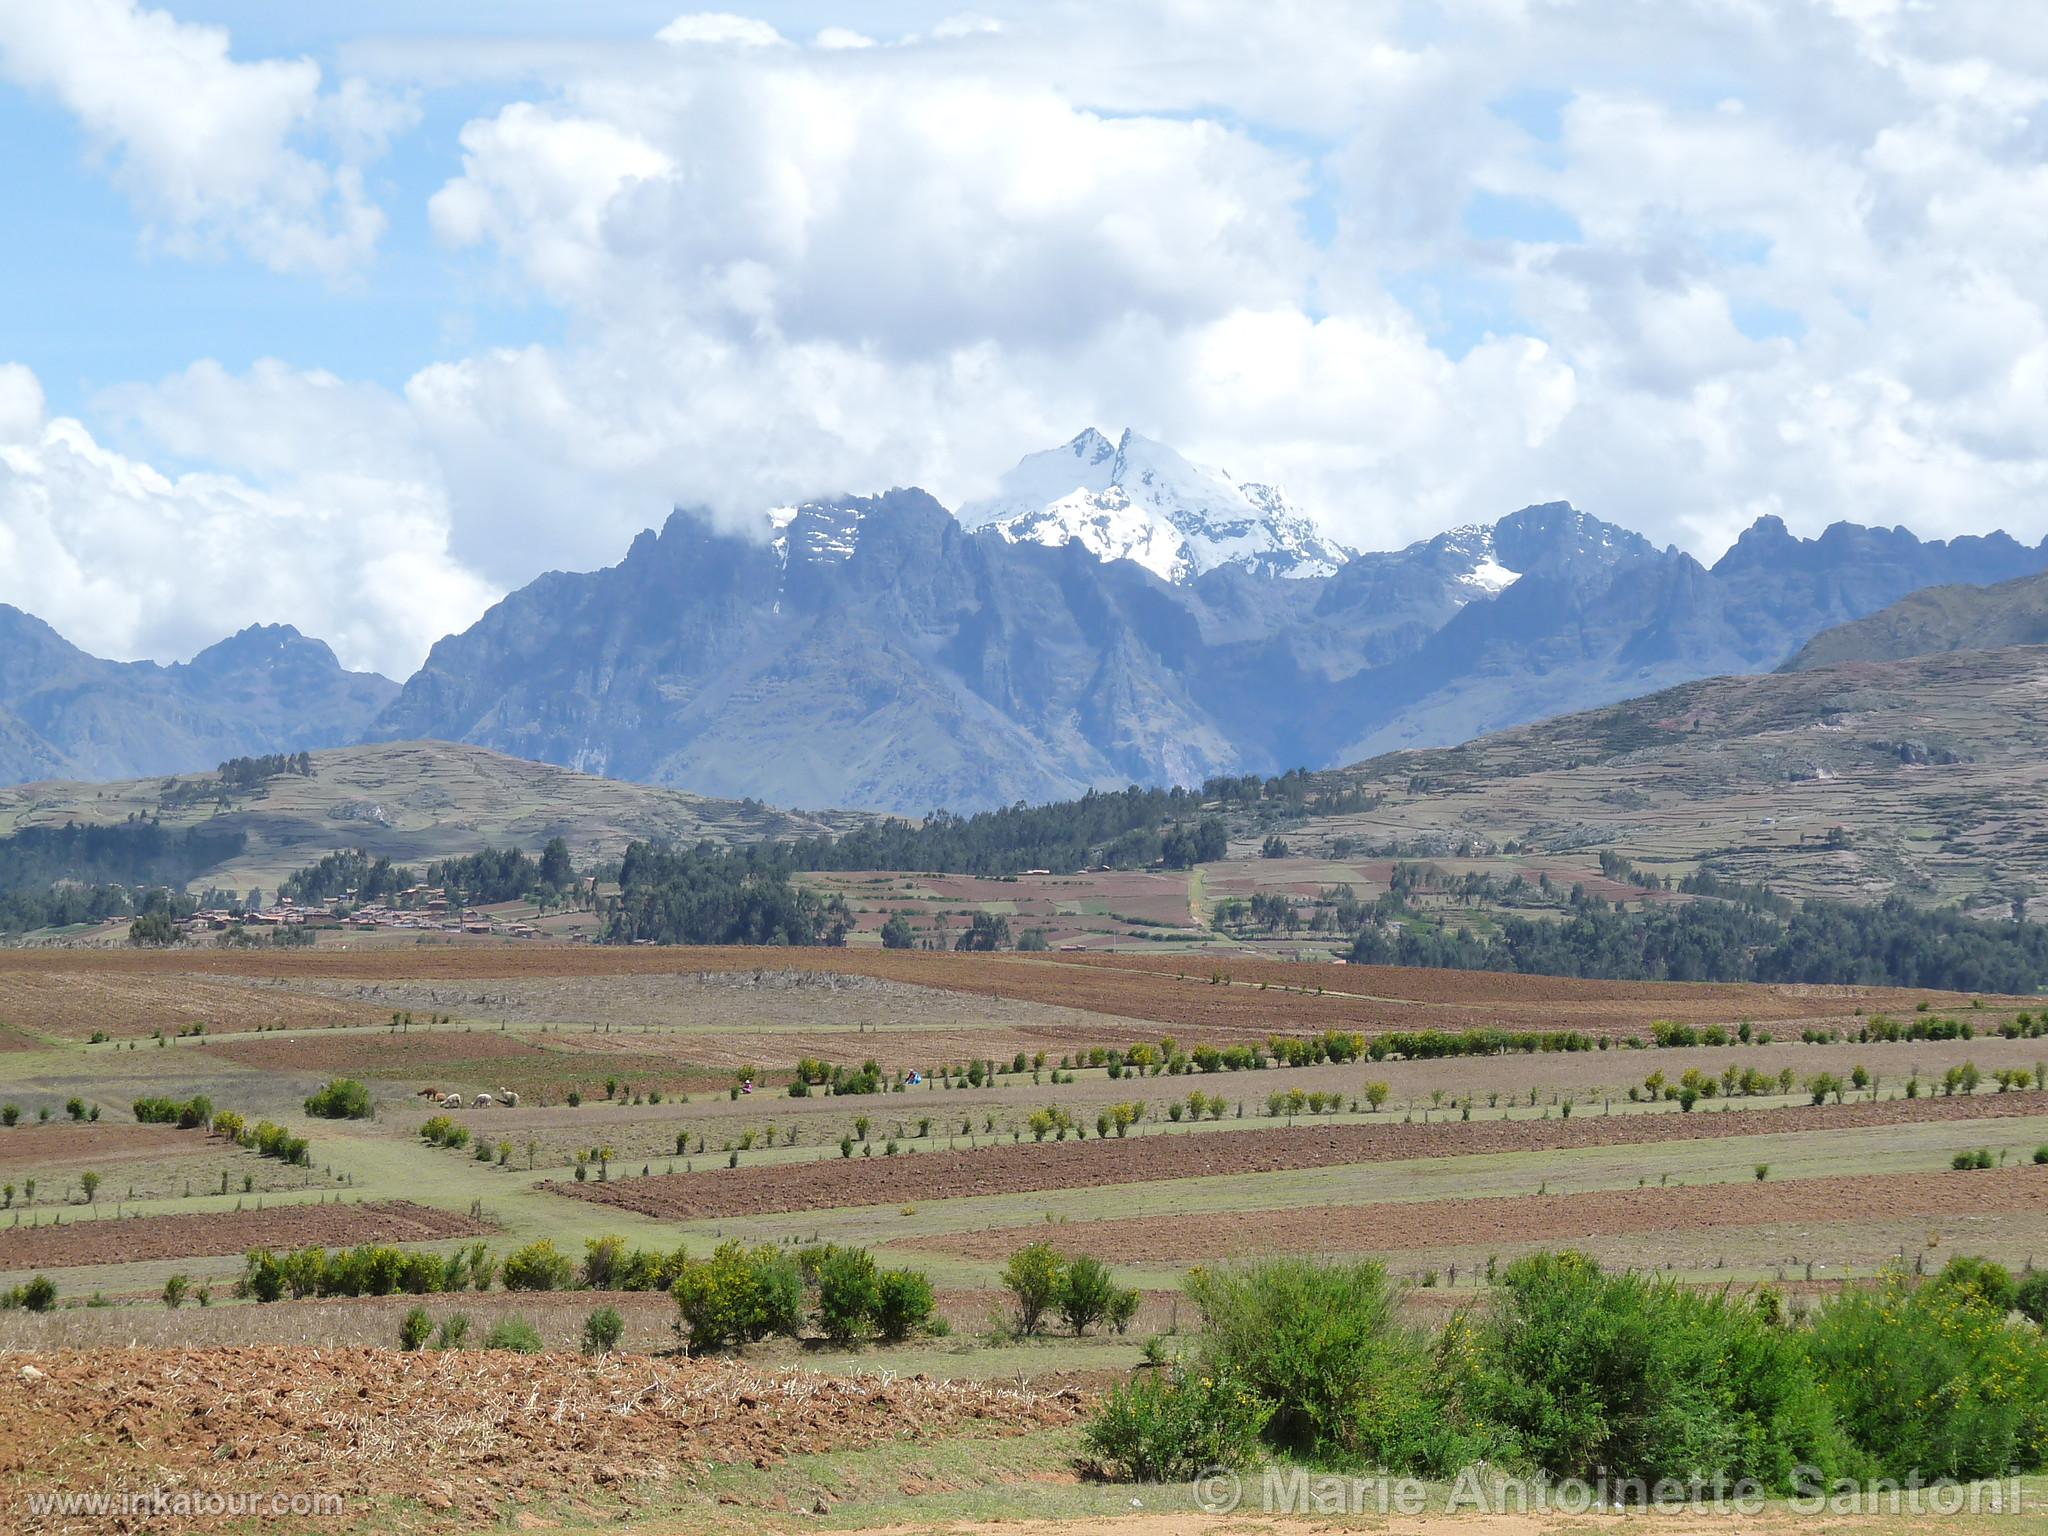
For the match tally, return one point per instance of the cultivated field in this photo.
(635, 1119)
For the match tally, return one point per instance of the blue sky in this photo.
(360, 315)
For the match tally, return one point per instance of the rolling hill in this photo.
(1935, 619)
(1934, 769)
(412, 802)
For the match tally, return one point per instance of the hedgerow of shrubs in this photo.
(1576, 1372)
(186, 1114)
(370, 1269)
(740, 1295)
(265, 1137)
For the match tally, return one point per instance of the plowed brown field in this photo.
(472, 1435)
(375, 1054)
(1095, 1164)
(68, 1141)
(1564, 1218)
(125, 1240)
(70, 994)
(1134, 987)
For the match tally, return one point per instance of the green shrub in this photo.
(737, 1296)
(175, 1289)
(2030, 1297)
(440, 1131)
(342, 1099)
(903, 1303)
(1932, 1380)
(1989, 1283)
(1123, 1307)
(602, 1331)
(40, 1294)
(453, 1332)
(515, 1334)
(188, 1114)
(1087, 1293)
(537, 1267)
(1587, 1371)
(1169, 1425)
(849, 1294)
(415, 1330)
(1321, 1343)
(604, 1258)
(1034, 1277)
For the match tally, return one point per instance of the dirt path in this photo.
(818, 1185)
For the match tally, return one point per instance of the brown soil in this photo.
(125, 1240)
(70, 994)
(1563, 1218)
(471, 1435)
(374, 1055)
(66, 1142)
(999, 1170)
(1137, 987)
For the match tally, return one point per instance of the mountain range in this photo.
(1112, 614)
(65, 714)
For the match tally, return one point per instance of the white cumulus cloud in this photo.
(211, 150)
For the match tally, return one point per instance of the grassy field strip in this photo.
(1794, 1154)
(886, 1109)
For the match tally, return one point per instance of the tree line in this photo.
(711, 895)
(1891, 943)
(1125, 829)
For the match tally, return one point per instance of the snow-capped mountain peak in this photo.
(1138, 500)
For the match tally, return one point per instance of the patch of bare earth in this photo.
(471, 1435)
(79, 1141)
(72, 994)
(1002, 1170)
(125, 1240)
(380, 1054)
(1561, 1218)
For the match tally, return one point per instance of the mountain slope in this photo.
(411, 802)
(267, 689)
(1935, 770)
(1644, 620)
(875, 654)
(1951, 618)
